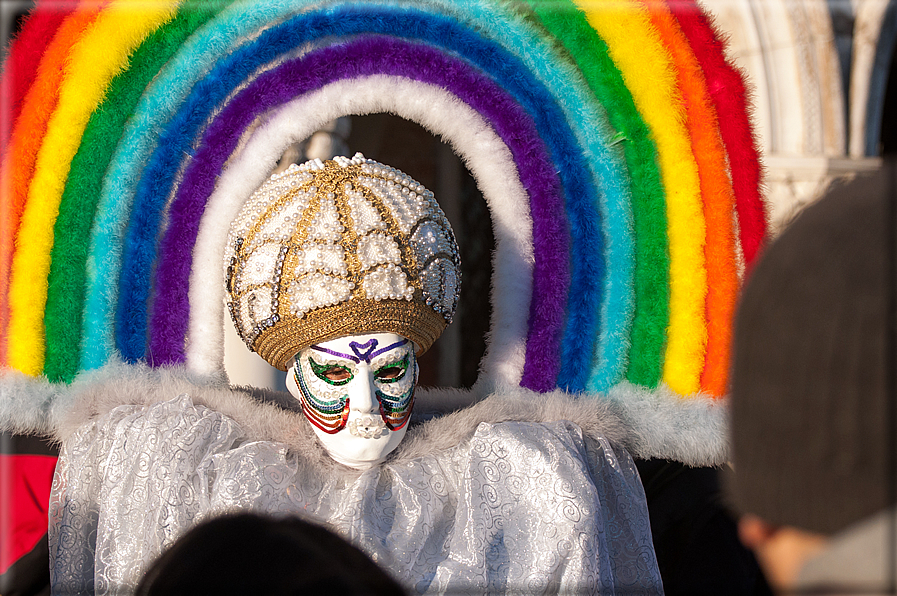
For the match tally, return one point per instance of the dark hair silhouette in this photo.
(250, 554)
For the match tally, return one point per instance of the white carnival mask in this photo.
(357, 392)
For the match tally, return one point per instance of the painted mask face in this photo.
(357, 392)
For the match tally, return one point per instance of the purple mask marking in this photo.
(370, 346)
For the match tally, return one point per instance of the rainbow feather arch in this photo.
(610, 139)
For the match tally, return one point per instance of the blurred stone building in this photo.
(824, 88)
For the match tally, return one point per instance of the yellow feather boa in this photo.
(101, 54)
(647, 69)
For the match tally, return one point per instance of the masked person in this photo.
(344, 272)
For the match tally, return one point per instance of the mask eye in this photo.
(335, 374)
(392, 372)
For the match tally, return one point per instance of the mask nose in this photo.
(365, 398)
(365, 420)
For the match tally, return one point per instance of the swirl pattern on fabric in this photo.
(520, 506)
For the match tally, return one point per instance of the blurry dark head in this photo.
(811, 409)
(250, 554)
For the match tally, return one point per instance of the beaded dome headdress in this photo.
(343, 247)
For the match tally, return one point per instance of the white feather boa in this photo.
(484, 153)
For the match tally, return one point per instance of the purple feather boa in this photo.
(363, 57)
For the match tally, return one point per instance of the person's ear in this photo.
(754, 532)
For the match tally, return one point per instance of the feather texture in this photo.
(692, 431)
(17, 166)
(551, 268)
(642, 330)
(366, 56)
(96, 58)
(67, 278)
(156, 107)
(140, 245)
(717, 194)
(593, 150)
(607, 349)
(488, 158)
(23, 56)
(727, 88)
(638, 53)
